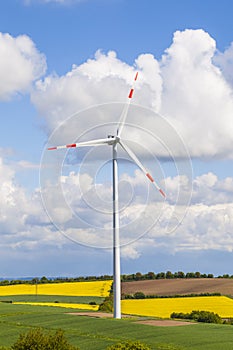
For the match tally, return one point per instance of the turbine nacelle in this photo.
(113, 140)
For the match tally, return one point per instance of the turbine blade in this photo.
(141, 166)
(99, 142)
(126, 108)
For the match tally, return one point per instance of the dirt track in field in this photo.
(158, 323)
(180, 286)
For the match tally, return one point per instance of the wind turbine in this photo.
(114, 141)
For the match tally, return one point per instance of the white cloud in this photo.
(22, 217)
(225, 62)
(20, 64)
(186, 86)
(197, 98)
(82, 210)
(204, 223)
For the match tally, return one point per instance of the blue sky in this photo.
(63, 62)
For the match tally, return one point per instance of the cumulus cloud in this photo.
(225, 62)
(189, 86)
(23, 222)
(197, 98)
(204, 223)
(81, 208)
(20, 64)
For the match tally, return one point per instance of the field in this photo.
(96, 288)
(180, 286)
(163, 307)
(20, 311)
(96, 334)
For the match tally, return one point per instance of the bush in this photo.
(35, 339)
(198, 316)
(139, 295)
(107, 305)
(205, 316)
(129, 345)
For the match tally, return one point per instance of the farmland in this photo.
(96, 334)
(96, 288)
(180, 286)
(59, 305)
(163, 307)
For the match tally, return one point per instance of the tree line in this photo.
(138, 276)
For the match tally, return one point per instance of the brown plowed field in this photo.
(180, 286)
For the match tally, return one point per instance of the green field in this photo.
(51, 298)
(96, 334)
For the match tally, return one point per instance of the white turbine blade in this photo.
(140, 165)
(99, 142)
(126, 108)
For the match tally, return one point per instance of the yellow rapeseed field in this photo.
(163, 307)
(65, 305)
(95, 288)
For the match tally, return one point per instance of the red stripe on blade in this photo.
(162, 193)
(136, 76)
(150, 177)
(131, 93)
(71, 145)
(51, 148)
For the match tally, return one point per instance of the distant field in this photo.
(163, 307)
(180, 286)
(95, 288)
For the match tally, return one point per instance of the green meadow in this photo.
(96, 334)
(52, 299)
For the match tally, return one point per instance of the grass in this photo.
(52, 298)
(96, 334)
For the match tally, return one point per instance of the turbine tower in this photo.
(114, 141)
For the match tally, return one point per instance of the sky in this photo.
(66, 69)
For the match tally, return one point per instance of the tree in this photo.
(179, 274)
(35, 339)
(138, 276)
(44, 280)
(190, 275)
(197, 274)
(35, 280)
(160, 275)
(150, 275)
(169, 274)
